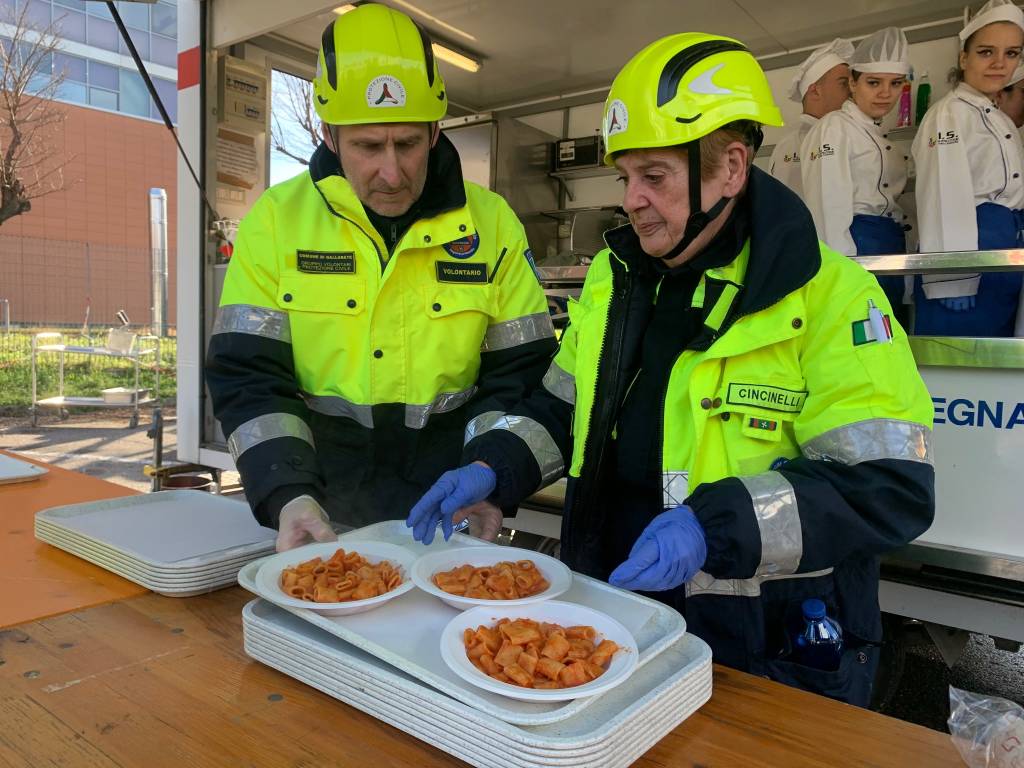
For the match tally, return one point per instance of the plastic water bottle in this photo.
(819, 643)
(924, 95)
(903, 121)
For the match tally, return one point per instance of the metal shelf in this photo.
(140, 357)
(568, 213)
(92, 402)
(588, 172)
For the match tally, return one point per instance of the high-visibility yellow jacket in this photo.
(801, 443)
(343, 370)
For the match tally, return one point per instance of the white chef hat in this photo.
(817, 64)
(1017, 76)
(989, 13)
(885, 51)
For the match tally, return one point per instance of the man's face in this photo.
(386, 163)
(1011, 101)
(834, 88)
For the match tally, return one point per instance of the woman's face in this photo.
(875, 93)
(991, 56)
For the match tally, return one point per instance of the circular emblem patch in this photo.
(464, 247)
(385, 91)
(617, 119)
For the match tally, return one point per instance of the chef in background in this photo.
(1011, 98)
(852, 175)
(970, 182)
(821, 84)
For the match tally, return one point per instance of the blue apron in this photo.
(875, 236)
(995, 306)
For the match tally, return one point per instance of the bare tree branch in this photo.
(295, 129)
(29, 116)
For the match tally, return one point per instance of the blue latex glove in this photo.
(454, 490)
(958, 303)
(668, 553)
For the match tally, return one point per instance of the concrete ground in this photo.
(102, 444)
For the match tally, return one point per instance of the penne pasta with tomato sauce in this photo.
(506, 580)
(343, 577)
(540, 655)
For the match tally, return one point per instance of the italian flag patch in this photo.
(864, 333)
(763, 424)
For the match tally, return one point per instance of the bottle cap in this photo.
(813, 608)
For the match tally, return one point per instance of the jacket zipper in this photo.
(605, 387)
(376, 248)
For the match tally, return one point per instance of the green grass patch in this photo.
(84, 375)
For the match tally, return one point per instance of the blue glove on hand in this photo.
(668, 553)
(958, 303)
(454, 490)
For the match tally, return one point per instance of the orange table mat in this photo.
(38, 580)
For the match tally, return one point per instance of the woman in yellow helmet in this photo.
(741, 421)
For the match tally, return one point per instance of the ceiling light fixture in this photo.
(456, 59)
(443, 52)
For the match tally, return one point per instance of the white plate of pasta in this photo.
(553, 651)
(337, 581)
(467, 577)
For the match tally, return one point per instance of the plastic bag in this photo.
(987, 731)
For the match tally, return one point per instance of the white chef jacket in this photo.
(784, 164)
(850, 168)
(967, 152)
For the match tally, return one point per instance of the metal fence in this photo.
(64, 284)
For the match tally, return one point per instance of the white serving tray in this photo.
(624, 724)
(17, 471)
(61, 538)
(169, 529)
(176, 589)
(226, 577)
(474, 746)
(684, 671)
(405, 632)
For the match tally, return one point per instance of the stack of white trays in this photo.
(400, 678)
(177, 543)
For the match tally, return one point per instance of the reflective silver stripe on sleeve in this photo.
(706, 584)
(416, 416)
(270, 426)
(257, 321)
(778, 518)
(521, 330)
(560, 384)
(331, 405)
(537, 439)
(872, 440)
(675, 487)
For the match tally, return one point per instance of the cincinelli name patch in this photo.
(763, 396)
(461, 272)
(326, 262)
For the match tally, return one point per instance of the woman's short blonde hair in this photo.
(712, 146)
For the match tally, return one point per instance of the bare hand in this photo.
(485, 520)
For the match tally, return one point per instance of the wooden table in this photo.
(155, 681)
(36, 579)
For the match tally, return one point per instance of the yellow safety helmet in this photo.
(683, 87)
(376, 65)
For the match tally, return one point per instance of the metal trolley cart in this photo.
(141, 351)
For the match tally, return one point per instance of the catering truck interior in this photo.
(526, 91)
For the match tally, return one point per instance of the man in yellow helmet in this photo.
(373, 306)
(742, 423)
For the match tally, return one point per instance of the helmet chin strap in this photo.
(698, 220)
